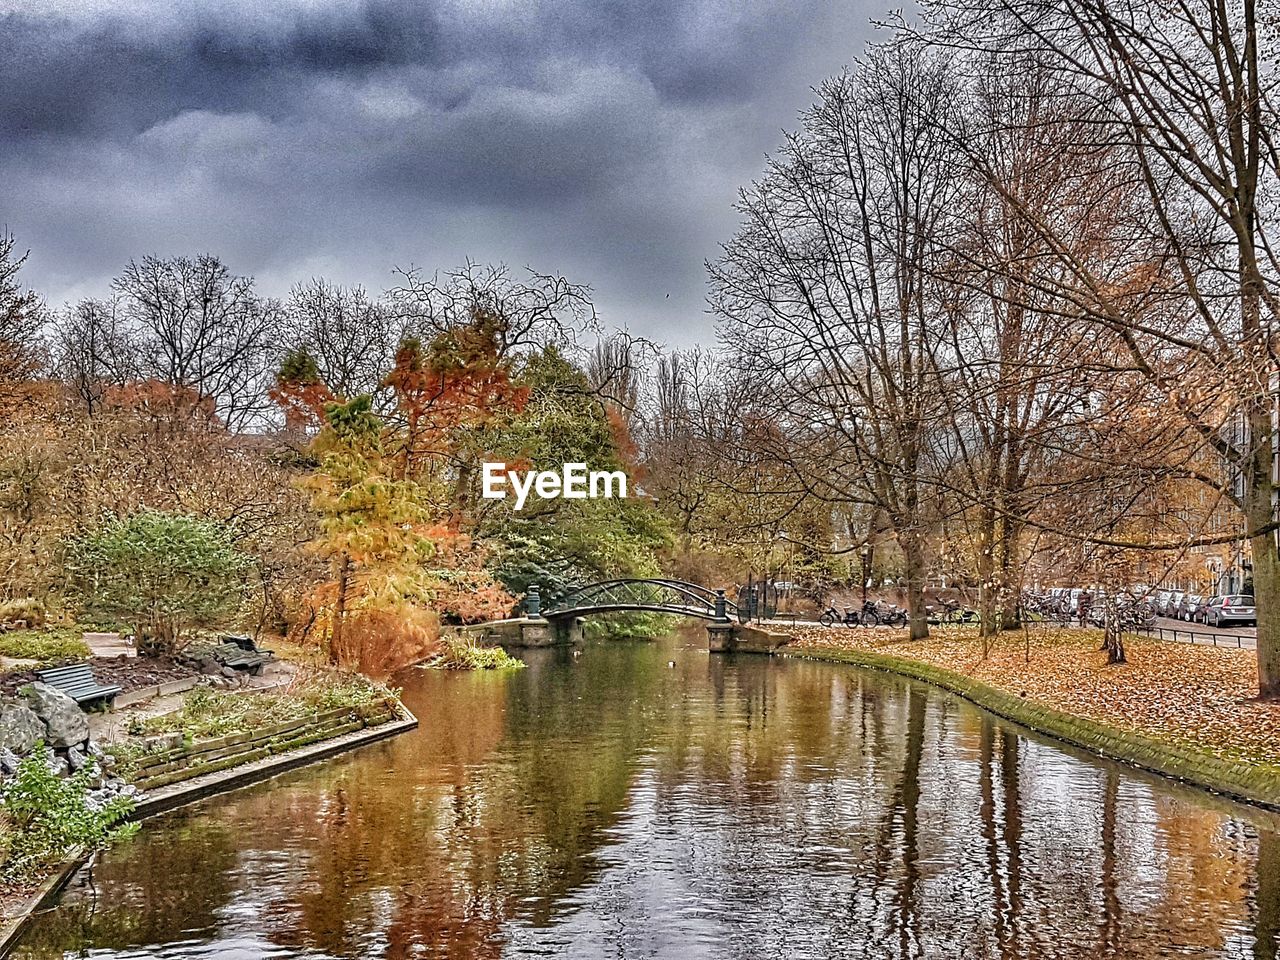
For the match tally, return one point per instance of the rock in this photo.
(97, 799)
(106, 790)
(229, 672)
(108, 761)
(210, 667)
(9, 761)
(65, 723)
(20, 728)
(76, 759)
(95, 750)
(59, 766)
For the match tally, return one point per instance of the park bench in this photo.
(245, 643)
(232, 655)
(78, 682)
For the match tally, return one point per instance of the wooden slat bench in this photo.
(233, 656)
(79, 683)
(245, 643)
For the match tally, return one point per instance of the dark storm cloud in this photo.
(601, 139)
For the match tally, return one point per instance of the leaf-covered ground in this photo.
(1168, 691)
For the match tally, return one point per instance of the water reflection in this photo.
(610, 806)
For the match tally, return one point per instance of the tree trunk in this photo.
(913, 556)
(1266, 564)
(340, 611)
(1112, 639)
(1010, 591)
(1266, 597)
(989, 612)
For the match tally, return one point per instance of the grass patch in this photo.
(207, 713)
(1194, 704)
(48, 645)
(129, 753)
(461, 653)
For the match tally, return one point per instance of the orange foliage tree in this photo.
(445, 392)
(373, 531)
(398, 562)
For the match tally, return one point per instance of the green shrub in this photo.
(52, 645)
(27, 608)
(353, 690)
(639, 625)
(167, 574)
(46, 817)
(461, 653)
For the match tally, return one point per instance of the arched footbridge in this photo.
(632, 594)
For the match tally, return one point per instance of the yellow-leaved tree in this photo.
(376, 534)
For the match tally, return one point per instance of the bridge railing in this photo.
(655, 594)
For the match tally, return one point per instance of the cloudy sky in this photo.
(602, 139)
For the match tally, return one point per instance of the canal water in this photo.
(614, 805)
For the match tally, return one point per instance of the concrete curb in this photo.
(12, 928)
(222, 781)
(1255, 784)
(158, 690)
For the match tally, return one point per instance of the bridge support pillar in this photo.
(720, 636)
(536, 632)
(520, 633)
(569, 630)
(727, 637)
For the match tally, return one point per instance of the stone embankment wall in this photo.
(187, 760)
(520, 633)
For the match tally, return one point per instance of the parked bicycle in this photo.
(891, 615)
(866, 616)
(952, 612)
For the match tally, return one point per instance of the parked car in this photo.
(1234, 610)
(1072, 600)
(1202, 608)
(1187, 608)
(1170, 608)
(1160, 600)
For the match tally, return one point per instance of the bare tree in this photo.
(543, 310)
(21, 319)
(615, 367)
(1019, 371)
(827, 293)
(199, 326)
(689, 433)
(93, 351)
(351, 337)
(1184, 107)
